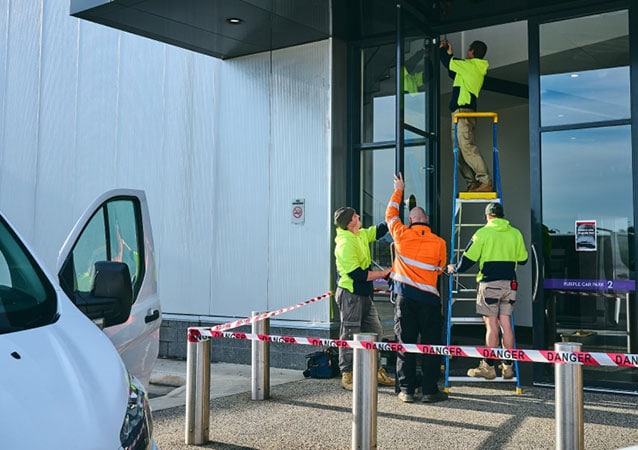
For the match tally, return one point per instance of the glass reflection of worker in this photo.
(413, 79)
(125, 253)
(468, 75)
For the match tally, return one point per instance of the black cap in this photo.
(494, 209)
(343, 216)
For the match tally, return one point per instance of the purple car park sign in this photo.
(577, 284)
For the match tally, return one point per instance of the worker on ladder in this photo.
(468, 75)
(498, 248)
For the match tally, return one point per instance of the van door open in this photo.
(117, 227)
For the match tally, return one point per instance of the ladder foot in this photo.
(519, 390)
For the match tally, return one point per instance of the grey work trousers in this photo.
(471, 163)
(358, 315)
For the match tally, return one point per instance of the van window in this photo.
(27, 299)
(112, 234)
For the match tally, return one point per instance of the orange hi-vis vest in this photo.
(420, 254)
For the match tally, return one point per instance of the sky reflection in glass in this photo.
(587, 96)
(586, 174)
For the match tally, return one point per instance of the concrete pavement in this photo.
(168, 381)
(317, 414)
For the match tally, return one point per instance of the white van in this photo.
(63, 384)
(117, 227)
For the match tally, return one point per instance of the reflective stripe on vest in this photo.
(420, 265)
(424, 287)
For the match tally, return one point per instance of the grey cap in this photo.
(494, 209)
(343, 216)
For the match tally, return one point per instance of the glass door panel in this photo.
(382, 150)
(378, 94)
(418, 174)
(377, 169)
(416, 73)
(418, 79)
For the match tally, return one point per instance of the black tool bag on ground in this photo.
(322, 364)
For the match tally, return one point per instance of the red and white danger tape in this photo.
(266, 315)
(197, 334)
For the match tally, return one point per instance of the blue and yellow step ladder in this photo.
(460, 309)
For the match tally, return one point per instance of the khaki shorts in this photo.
(495, 298)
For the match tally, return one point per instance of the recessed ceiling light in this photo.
(574, 75)
(234, 20)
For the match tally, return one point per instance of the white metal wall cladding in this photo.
(221, 149)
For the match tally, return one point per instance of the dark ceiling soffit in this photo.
(506, 87)
(449, 16)
(274, 33)
(200, 40)
(276, 24)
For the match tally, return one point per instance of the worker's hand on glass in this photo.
(451, 268)
(398, 182)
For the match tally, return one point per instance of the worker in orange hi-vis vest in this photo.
(420, 258)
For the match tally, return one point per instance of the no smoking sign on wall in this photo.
(298, 211)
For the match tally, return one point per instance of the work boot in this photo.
(484, 370)
(472, 185)
(438, 396)
(482, 187)
(383, 379)
(406, 398)
(507, 370)
(346, 380)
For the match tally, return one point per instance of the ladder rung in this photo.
(477, 197)
(482, 380)
(467, 320)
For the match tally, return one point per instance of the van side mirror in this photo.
(111, 297)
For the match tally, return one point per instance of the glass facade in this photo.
(584, 158)
(587, 189)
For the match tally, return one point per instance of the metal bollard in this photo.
(260, 359)
(197, 392)
(569, 400)
(364, 395)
